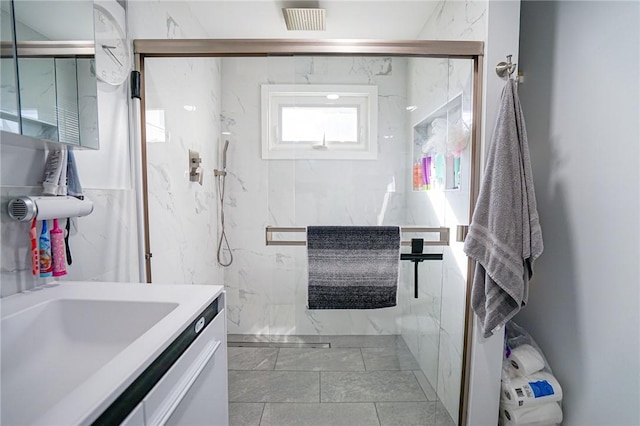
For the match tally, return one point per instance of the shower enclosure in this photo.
(296, 159)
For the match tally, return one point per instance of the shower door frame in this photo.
(193, 48)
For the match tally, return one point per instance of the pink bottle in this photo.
(57, 250)
(35, 260)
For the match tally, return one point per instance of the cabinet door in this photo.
(194, 390)
(206, 402)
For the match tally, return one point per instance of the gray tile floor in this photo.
(358, 381)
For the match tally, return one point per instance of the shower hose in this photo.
(223, 242)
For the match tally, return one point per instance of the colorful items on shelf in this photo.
(437, 172)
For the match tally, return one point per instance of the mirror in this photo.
(55, 72)
(8, 93)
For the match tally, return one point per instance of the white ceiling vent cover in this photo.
(304, 19)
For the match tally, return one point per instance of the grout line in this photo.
(276, 363)
(264, 408)
(375, 407)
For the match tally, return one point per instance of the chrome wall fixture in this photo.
(505, 69)
(443, 235)
(195, 171)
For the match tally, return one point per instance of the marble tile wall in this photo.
(267, 285)
(183, 214)
(457, 20)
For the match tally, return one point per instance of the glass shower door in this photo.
(419, 177)
(440, 111)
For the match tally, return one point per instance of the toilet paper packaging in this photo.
(543, 414)
(525, 360)
(538, 388)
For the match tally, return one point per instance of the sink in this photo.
(69, 350)
(50, 349)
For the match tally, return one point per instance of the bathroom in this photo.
(578, 234)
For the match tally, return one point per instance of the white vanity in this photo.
(114, 353)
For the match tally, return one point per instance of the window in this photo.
(319, 122)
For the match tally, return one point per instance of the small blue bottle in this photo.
(46, 262)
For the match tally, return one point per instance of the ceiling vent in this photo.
(304, 19)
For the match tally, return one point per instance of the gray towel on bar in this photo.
(353, 267)
(504, 236)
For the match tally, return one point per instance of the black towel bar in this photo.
(419, 257)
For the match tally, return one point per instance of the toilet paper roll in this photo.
(539, 388)
(526, 360)
(544, 414)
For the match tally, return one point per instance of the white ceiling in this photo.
(374, 19)
(345, 19)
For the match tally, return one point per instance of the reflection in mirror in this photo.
(53, 20)
(9, 120)
(56, 72)
(38, 97)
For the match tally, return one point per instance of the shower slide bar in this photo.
(443, 235)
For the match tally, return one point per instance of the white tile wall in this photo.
(267, 285)
(183, 215)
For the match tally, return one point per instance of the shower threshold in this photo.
(279, 345)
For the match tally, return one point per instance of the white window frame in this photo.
(276, 96)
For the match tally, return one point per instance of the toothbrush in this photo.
(33, 235)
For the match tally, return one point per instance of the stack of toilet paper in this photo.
(530, 395)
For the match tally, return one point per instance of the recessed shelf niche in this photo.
(438, 141)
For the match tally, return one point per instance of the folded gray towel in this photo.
(353, 267)
(504, 236)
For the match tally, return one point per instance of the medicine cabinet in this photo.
(49, 87)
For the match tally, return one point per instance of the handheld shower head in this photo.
(224, 155)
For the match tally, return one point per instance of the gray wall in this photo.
(580, 99)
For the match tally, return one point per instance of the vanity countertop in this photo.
(69, 349)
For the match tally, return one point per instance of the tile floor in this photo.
(358, 381)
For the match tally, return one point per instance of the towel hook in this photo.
(505, 69)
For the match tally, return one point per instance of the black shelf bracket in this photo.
(416, 256)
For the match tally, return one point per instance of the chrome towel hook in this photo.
(505, 69)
